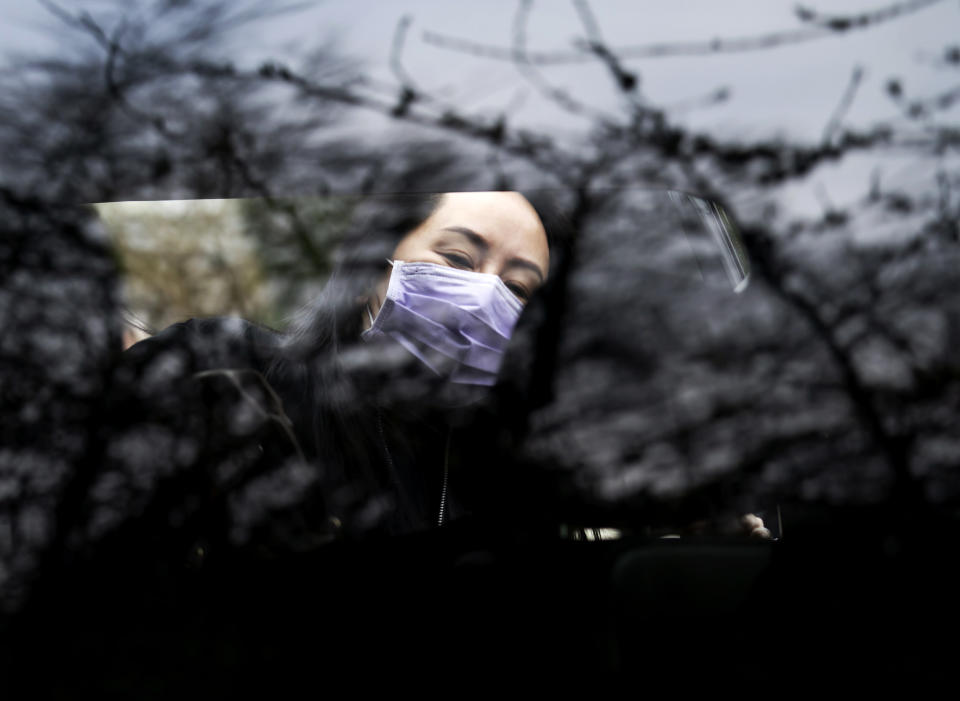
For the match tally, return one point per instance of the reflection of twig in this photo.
(923, 111)
(396, 52)
(823, 198)
(559, 96)
(715, 97)
(926, 106)
(408, 92)
(625, 80)
(843, 23)
(689, 48)
(694, 48)
(112, 46)
(774, 269)
(845, 101)
(539, 151)
(277, 415)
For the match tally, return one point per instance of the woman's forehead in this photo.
(506, 219)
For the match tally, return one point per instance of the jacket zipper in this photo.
(446, 465)
(446, 472)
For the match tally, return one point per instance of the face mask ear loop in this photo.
(369, 311)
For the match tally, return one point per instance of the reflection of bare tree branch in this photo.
(843, 23)
(540, 151)
(776, 270)
(273, 412)
(864, 403)
(409, 92)
(845, 101)
(691, 48)
(558, 96)
(111, 45)
(783, 161)
(640, 144)
(924, 107)
(396, 53)
(625, 80)
(537, 150)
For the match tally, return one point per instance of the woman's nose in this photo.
(489, 266)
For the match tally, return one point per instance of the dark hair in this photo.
(378, 223)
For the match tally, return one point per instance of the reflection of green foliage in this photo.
(294, 240)
(259, 259)
(185, 259)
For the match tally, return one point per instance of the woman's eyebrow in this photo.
(480, 242)
(475, 238)
(529, 265)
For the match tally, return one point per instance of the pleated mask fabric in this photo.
(457, 322)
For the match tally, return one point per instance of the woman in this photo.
(364, 395)
(405, 334)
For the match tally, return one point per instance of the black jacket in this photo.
(371, 468)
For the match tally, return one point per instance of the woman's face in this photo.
(486, 232)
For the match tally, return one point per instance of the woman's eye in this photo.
(458, 260)
(519, 291)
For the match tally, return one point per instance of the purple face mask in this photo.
(457, 322)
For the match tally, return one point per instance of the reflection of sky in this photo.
(790, 91)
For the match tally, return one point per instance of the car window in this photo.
(579, 297)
